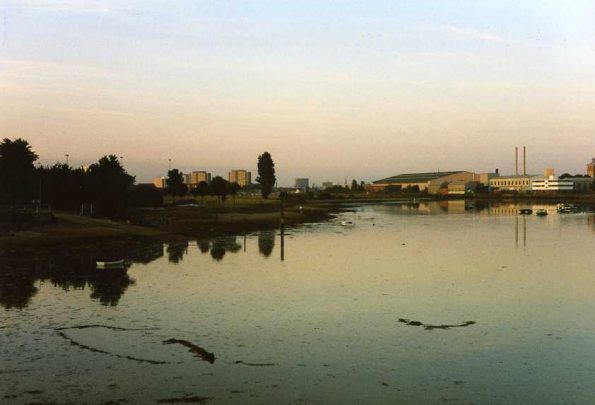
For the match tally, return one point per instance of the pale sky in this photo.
(332, 89)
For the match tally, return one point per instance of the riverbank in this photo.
(68, 230)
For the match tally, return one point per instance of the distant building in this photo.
(302, 183)
(551, 183)
(581, 183)
(591, 168)
(518, 183)
(192, 179)
(431, 182)
(327, 184)
(159, 182)
(242, 177)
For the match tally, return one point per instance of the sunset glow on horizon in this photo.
(333, 90)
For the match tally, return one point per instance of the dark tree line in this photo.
(104, 186)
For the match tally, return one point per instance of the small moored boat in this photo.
(542, 212)
(347, 223)
(525, 211)
(116, 264)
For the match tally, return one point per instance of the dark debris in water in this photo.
(431, 327)
(103, 326)
(255, 364)
(95, 350)
(198, 351)
(185, 400)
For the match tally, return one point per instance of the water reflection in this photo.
(176, 251)
(19, 276)
(203, 245)
(222, 245)
(266, 242)
(18, 279)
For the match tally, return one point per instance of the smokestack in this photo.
(524, 161)
(516, 160)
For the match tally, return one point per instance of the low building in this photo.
(431, 182)
(591, 168)
(159, 182)
(302, 183)
(551, 183)
(242, 177)
(582, 183)
(517, 183)
(326, 184)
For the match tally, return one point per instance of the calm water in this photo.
(425, 303)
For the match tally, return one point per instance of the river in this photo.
(423, 303)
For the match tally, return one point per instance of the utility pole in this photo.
(67, 155)
(169, 167)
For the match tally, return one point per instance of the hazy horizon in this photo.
(333, 90)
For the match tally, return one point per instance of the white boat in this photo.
(347, 223)
(116, 264)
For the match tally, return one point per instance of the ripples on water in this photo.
(419, 302)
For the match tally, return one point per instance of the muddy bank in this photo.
(70, 231)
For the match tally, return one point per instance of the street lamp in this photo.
(169, 164)
(67, 155)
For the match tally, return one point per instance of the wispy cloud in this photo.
(57, 5)
(480, 35)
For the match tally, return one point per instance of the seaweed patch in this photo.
(431, 327)
(196, 350)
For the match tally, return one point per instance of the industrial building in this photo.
(159, 182)
(431, 182)
(591, 168)
(551, 183)
(241, 177)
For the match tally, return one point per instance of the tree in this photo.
(233, 188)
(202, 189)
(61, 186)
(17, 173)
(174, 183)
(106, 183)
(219, 187)
(266, 174)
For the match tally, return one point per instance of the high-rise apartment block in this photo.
(242, 177)
(192, 179)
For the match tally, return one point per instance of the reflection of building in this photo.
(591, 168)
(159, 182)
(302, 184)
(432, 182)
(242, 177)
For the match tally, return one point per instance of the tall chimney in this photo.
(516, 160)
(524, 161)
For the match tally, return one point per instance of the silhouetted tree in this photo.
(266, 174)
(106, 184)
(144, 195)
(354, 185)
(61, 186)
(174, 183)
(17, 173)
(233, 188)
(219, 187)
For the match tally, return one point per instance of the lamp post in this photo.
(67, 155)
(169, 166)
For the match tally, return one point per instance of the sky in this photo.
(334, 90)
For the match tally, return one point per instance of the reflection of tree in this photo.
(75, 272)
(224, 244)
(146, 253)
(109, 285)
(218, 249)
(266, 242)
(17, 286)
(203, 245)
(176, 251)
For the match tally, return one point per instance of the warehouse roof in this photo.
(415, 177)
